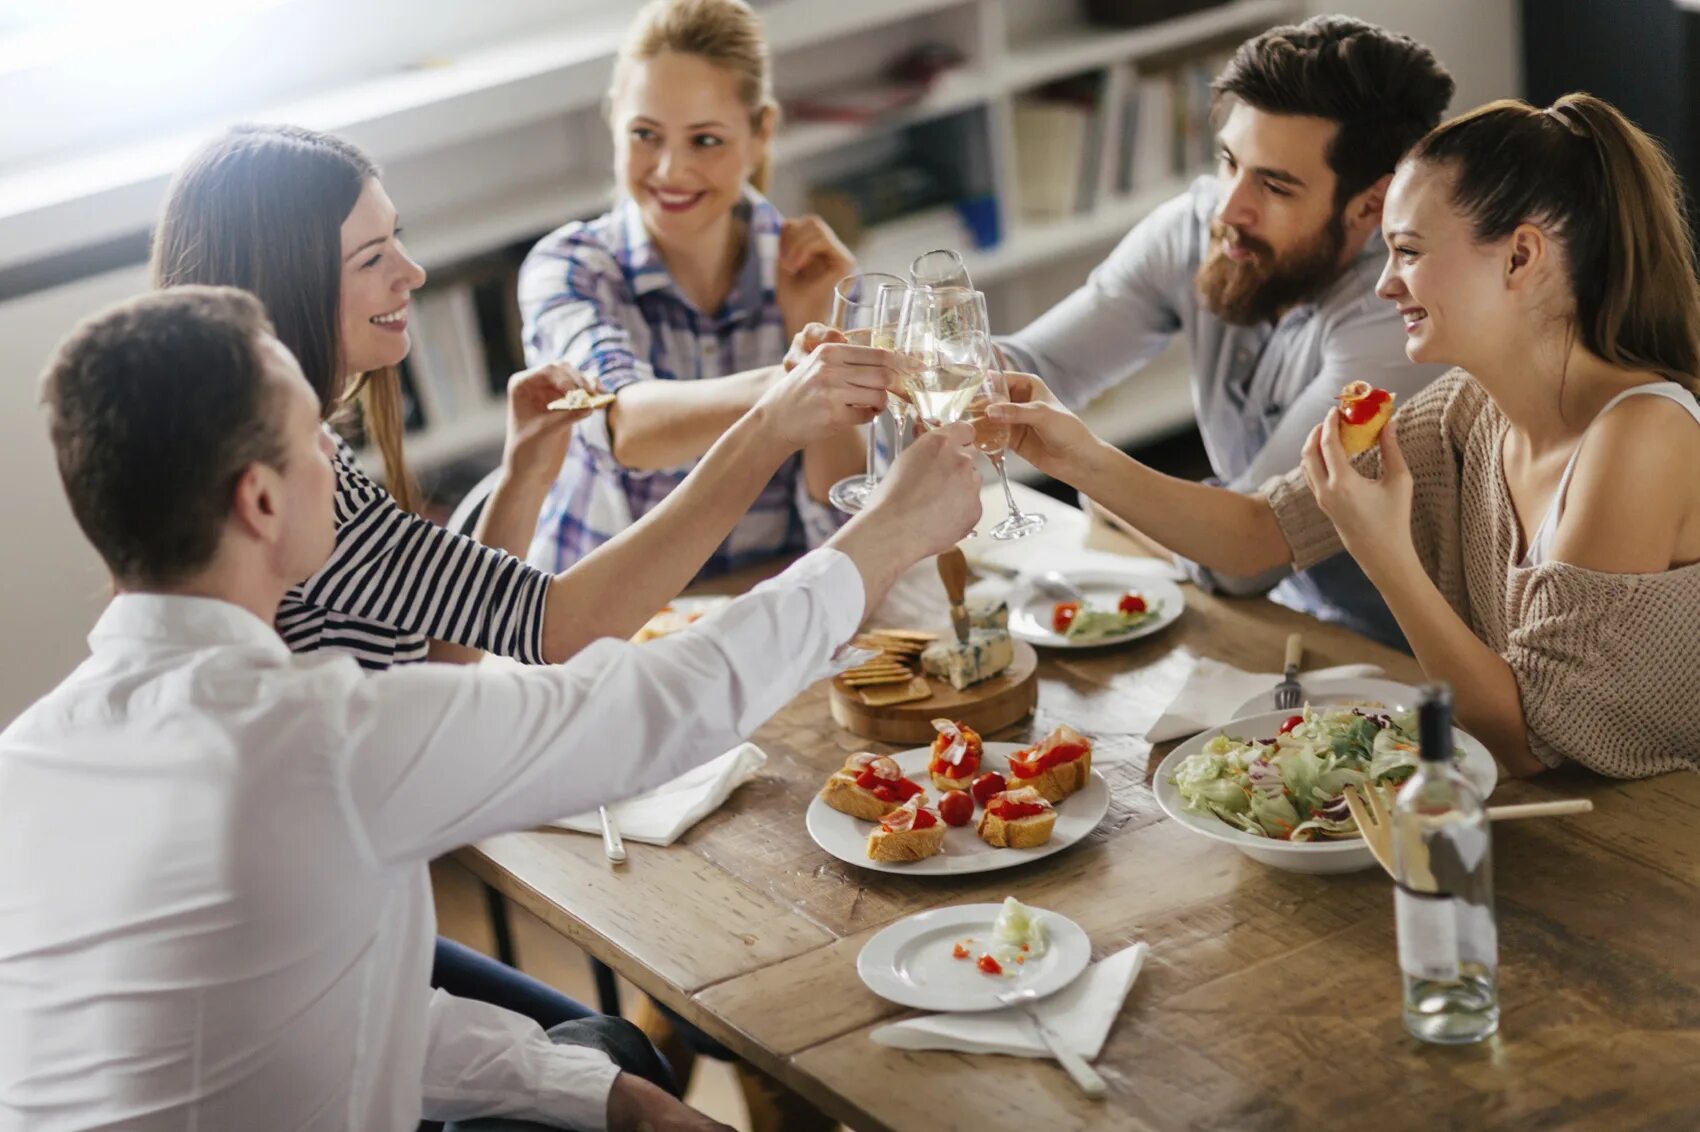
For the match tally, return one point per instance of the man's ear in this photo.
(1363, 212)
(256, 504)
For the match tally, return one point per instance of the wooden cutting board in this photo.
(987, 707)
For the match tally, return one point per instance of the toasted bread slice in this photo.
(843, 795)
(907, 845)
(944, 782)
(1356, 438)
(1058, 782)
(1022, 833)
(578, 400)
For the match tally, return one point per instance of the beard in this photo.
(1257, 290)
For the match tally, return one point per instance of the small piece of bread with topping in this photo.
(1017, 819)
(956, 755)
(911, 832)
(1057, 767)
(1364, 412)
(868, 787)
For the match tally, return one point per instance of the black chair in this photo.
(464, 521)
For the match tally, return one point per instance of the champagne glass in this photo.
(940, 268)
(943, 351)
(992, 437)
(866, 308)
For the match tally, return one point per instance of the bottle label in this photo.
(1428, 934)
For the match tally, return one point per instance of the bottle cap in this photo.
(1434, 723)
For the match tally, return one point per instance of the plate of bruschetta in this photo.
(960, 805)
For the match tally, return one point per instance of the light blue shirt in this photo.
(1257, 390)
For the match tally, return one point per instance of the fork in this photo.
(1084, 1075)
(1288, 692)
(1369, 810)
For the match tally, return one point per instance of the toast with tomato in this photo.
(957, 752)
(1017, 819)
(1364, 412)
(1056, 768)
(911, 832)
(869, 787)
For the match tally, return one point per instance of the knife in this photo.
(953, 572)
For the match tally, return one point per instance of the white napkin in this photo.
(662, 815)
(1213, 691)
(1080, 1014)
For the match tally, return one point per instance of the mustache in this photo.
(1221, 234)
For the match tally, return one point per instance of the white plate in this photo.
(1319, 693)
(846, 837)
(911, 962)
(1030, 610)
(1300, 856)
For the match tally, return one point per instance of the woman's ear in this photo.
(1526, 255)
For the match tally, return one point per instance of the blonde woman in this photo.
(683, 298)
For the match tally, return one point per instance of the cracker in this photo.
(870, 681)
(906, 634)
(916, 689)
(580, 399)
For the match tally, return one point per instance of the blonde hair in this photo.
(724, 32)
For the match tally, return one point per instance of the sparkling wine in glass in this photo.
(866, 308)
(943, 350)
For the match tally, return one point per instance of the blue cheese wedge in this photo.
(986, 653)
(984, 613)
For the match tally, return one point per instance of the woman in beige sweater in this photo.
(1532, 518)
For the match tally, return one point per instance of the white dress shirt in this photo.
(214, 905)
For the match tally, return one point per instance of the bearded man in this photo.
(1268, 267)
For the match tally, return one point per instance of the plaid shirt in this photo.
(597, 294)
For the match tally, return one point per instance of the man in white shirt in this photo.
(214, 905)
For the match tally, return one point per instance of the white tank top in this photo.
(1540, 546)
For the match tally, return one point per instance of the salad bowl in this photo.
(1326, 854)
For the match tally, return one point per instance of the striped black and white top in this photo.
(395, 581)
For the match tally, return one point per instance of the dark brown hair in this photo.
(156, 406)
(724, 32)
(1384, 90)
(1608, 193)
(261, 208)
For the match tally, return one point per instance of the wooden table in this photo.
(1269, 1000)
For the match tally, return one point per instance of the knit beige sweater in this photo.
(1608, 665)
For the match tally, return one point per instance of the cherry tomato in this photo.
(924, 820)
(989, 965)
(956, 808)
(987, 786)
(959, 951)
(1063, 615)
(1131, 603)
(1289, 723)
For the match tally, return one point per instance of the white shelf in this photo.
(440, 444)
(955, 90)
(1084, 47)
(525, 212)
(1027, 244)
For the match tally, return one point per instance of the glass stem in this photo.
(1003, 477)
(873, 446)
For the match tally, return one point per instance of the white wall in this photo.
(52, 586)
(1477, 40)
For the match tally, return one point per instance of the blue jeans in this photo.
(469, 974)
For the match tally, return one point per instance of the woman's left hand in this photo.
(812, 259)
(1372, 516)
(538, 436)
